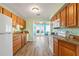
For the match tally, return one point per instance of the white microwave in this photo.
(56, 23)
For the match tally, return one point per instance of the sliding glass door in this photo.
(41, 29)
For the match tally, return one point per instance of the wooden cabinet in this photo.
(71, 15)
(19, 40)
(20, 21)
(14, 19)
(60, 50)
(67, 52)
(66, 49)
(24, 23)
(0, 9)
(23, 39)
(16, 45)
(58, 15)
(63, 17)
(78, 14)
(6, 12)
(16, 42)
(54, 18)
(55, 46)
(68, 15)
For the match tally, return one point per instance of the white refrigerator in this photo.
(6, 36)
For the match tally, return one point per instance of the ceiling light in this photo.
(35, 10)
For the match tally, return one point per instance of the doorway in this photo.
(41, 33)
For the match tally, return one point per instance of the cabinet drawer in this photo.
(67, 45)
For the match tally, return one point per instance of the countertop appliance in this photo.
(5, 36)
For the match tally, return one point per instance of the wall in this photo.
(29, 26)
(74, 31)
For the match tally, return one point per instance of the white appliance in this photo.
(56, 23)
(5, 36)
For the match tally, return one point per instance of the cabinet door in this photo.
(24, 23)
(78, 14)
(54, 18)
(18, 20)
(16, 43)
(14, 18)
(67, 52)
(55, 46)
(58, 15)
(71, 15)
(0, 9)
(60, 50)
(55, 49)
(63, 17)
(6, 12)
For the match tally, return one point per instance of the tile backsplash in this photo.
(74, 31)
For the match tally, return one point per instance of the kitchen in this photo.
(64, 37)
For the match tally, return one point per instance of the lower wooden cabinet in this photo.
(60, 50)
(55, 43)
(63, 48)
(16, 43)
(66, 49)
(19, 40)
(67, 52)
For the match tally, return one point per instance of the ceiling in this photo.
(24, 9)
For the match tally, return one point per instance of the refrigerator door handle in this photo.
(6, 33)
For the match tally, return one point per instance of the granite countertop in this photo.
(72, 41)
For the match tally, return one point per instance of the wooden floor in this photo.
(35, 49)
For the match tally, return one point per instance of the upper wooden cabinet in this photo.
(63, 18)
(24, 22)
(21, 22)
(14, 18)
(6, 12)
(18, 20)
(0, 9)
(58, 15)
(78, 14)
(54, 18)
(71, 15)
